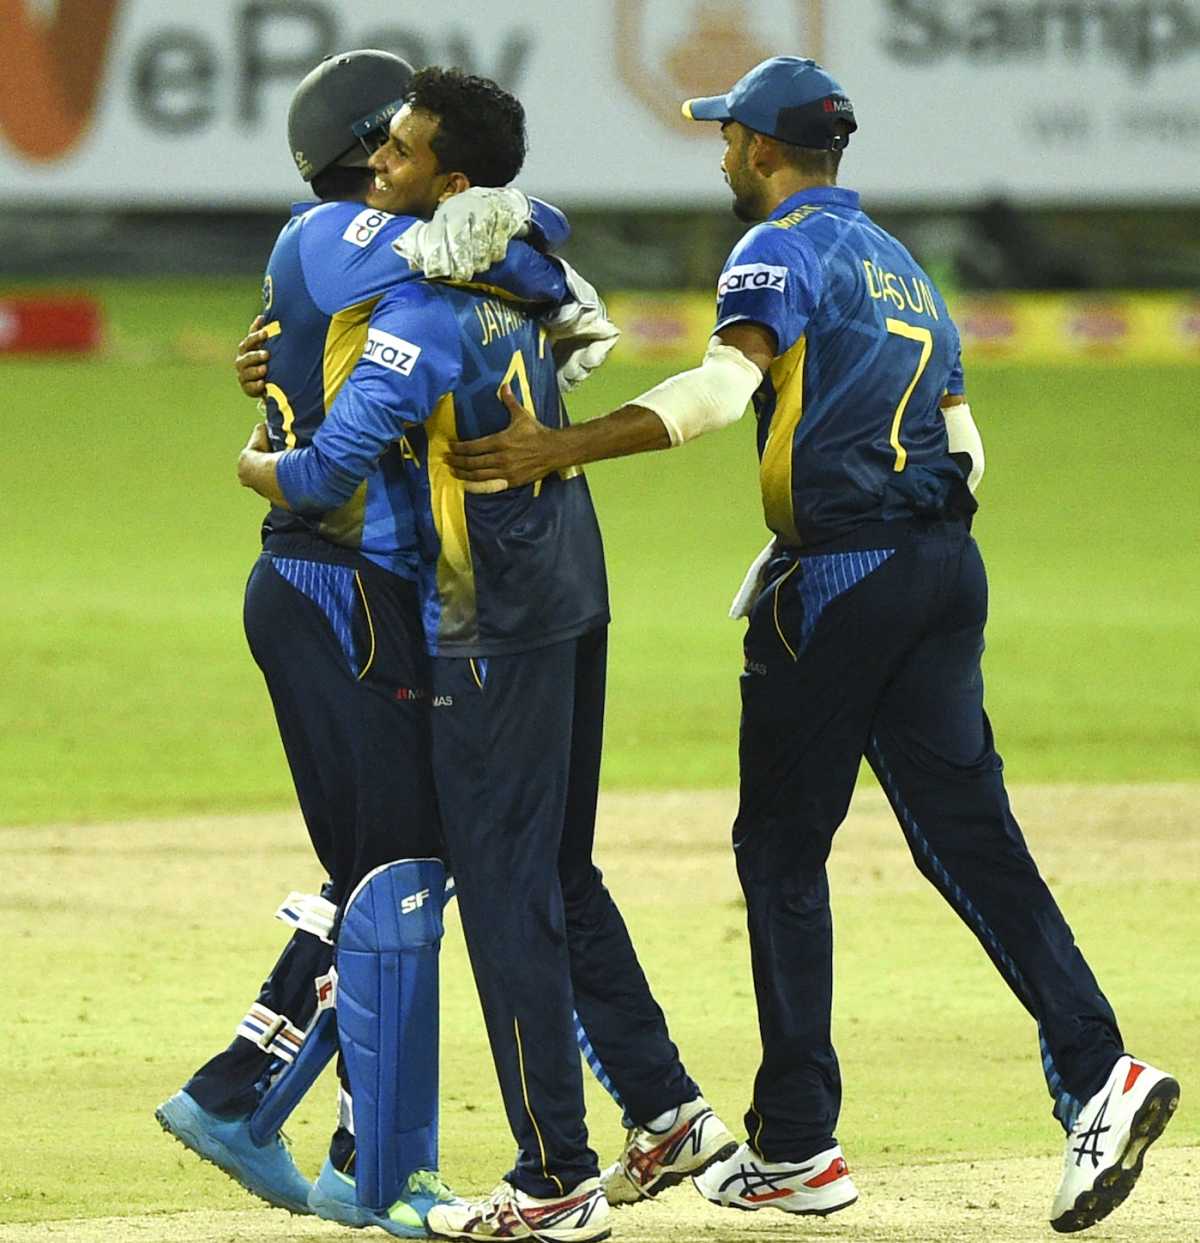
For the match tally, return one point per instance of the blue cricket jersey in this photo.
(504, 572)
(849, 425)
(330, 268)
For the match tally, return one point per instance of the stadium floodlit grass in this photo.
(129, 692)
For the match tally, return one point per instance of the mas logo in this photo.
(50, 71)
(669, 51)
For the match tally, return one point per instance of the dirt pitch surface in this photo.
(989, 1201)
(982, 1202)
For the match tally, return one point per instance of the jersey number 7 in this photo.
(924, 338)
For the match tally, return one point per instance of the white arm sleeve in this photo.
(706, 398)
(964, 438)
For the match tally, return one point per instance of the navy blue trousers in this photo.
(517, 743)
(875, 652)
(343, 656)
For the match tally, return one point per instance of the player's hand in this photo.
(260, 440)
(468, 233)
(251, 361)
(518, 455)
(580, 332)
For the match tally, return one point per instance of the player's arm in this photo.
(472, 230)
(396, 382)
(766, 293)
(966, 445)
(257, 467)
(679, 409)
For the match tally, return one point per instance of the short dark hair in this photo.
(813, 161)
(340, 181)
(481, 127)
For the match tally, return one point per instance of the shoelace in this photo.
(503, 1197)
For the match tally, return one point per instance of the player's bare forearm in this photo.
(631, 429)
(257, 467)
(528, 450)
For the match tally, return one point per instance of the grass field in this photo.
(139, 769)
(128, 689)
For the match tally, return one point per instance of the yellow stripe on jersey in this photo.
(448, 500)
(775, 469)
(286, 413)
(798, 216)
(344, 342)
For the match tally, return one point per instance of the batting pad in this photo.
(296, 1078)
(387, 1021)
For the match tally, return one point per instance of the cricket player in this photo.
(331, 611)
(866, 621)
(515, 609)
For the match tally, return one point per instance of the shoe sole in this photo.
(604, 1233)
(208, 1149)
(328, 1209)
(1111, 1189)
(358, 1219)
(672, 1178)
(791, 1212)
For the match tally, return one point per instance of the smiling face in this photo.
(408, 179)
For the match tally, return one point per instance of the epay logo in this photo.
(364, 226)
(394, 353)
(50, 73)
(752, 276)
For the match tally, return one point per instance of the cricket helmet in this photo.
(341, 109)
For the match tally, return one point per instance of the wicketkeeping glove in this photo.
(468, 233)
(580, 332)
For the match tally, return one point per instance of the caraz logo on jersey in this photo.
(391, 352)
(364, 226)
(413, 902)
(752, 276)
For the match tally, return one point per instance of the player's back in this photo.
(514, 570)
(331, 265)
(850, 430)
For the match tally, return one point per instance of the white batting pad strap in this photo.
(272, 1032)
(345, 1109)
(706, 398)
(310, 913)
(964, 437)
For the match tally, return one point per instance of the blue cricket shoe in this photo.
(267, 1172)
(333, 1198)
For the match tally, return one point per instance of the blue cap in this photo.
(786, 97)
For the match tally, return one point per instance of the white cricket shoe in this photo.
(819, 1186)
(657, 1157)
(1108, 1142)
(581, 1216)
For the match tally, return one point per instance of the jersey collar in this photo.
(834, 195)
